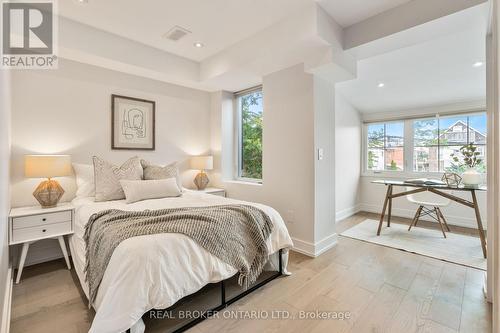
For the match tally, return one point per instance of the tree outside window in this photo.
(386, 146)
(251, 135)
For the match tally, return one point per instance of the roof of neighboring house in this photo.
(460, 122)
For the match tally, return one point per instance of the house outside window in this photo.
(437, 139)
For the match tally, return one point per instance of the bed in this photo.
(155, 271)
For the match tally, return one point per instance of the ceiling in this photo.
(436, 72)
(217, 24)
(349, 12)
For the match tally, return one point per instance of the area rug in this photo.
(456, 248)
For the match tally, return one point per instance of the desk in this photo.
(436, 189)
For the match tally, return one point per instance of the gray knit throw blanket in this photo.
(236, 234)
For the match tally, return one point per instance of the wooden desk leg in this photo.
(479, 222)
(389, 211)
(389, 190)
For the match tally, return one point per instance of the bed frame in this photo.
(226, 302)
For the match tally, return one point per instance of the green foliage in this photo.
(251, 131)
(376, 139)
(426, 132)
(372, 160)
(393, 166)
(468, 159)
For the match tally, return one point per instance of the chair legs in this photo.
(439, 217)
(416, 217)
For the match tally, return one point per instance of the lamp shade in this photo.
(202, 162)
(47, 166)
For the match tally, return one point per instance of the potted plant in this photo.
(470, 161)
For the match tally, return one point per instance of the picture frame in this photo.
(132, 123)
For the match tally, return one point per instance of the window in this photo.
(424, 145)
(437, 140)
(385, 146)
(250, 134)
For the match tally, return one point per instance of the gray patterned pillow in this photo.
(107, 177)
(156, 172)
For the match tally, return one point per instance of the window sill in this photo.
(404, 175)
(243, 182)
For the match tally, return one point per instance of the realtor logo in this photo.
(28, 35)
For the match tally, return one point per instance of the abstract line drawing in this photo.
(133, 124)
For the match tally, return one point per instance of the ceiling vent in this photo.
(176, 33)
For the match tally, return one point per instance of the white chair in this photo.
(428, 199)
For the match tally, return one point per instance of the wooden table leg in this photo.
(439, 221)
(389, 190)
(389, 211)
(479, 222)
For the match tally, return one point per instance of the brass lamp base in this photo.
(48, 193)
(201, 180)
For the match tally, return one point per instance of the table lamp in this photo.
(202, 163)
(49, 192)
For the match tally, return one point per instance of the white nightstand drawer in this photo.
(41, 219)
(42, 231)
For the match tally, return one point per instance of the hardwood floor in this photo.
(382, 289)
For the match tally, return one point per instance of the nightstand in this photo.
(214, 191)
(28, 225)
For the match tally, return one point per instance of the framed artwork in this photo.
(132, 123)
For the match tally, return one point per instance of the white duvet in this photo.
(155, 271)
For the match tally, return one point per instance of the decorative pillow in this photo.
(107, 177)
(84, 180)
(137, 190)
(155, 172)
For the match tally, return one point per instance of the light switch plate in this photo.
(320, 154)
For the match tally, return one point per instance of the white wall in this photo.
(5, 114)
(68, 111)
(288, 152)
(298, 119)
(347, 157)
(288, 149)
(324, 168)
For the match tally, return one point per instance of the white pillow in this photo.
(137, 190)
(84, 180)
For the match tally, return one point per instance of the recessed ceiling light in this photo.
(381, 85)
(82, 1)
(198, 44)
(478, 64)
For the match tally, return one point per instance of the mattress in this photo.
(155, 271)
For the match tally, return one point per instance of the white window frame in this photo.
(238, 136)
(364, 160)
(408, 147)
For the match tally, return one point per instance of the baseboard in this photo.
(313, 250)
(7, 302)
(348, 212)
(408, 213)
